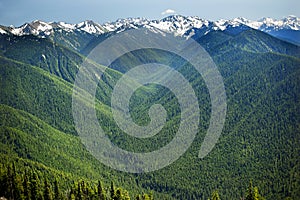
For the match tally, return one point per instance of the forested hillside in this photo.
(256, 157)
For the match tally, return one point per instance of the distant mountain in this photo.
(287, 29)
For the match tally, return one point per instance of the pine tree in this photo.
(146, 197)
(72, 195)
(9, 183)
(100, 191)
(26, 187)
(79, 195)
(151, 196)
(57, 192)
(17, 184)
(256, 194)
(83, 190)
(126, 195)
(47, 190)
(250, 195)
(112, 190)
(118, 195)
(34, 186)
(215, 195)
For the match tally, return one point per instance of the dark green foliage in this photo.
(35, 186)
(112, 191)
(43, 53)
(251, 41)
(47, 190)
(101, 192)
(26, 187)
(12, 182)
(260, 139)
(41, 188)
(57, 192)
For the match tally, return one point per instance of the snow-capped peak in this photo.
(291, 22)
(41, 28)
(176, 24)
(40, 25)
(36, 27)
(128, 23)
(90, 27)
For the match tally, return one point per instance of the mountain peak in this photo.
(175, 17)
(90, 27)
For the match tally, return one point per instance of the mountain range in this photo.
(260, 65)
(286, 28)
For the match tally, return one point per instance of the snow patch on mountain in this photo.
(2, 31)
(67, 27)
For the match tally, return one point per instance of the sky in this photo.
(17, 12)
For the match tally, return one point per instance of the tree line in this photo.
(32, 185)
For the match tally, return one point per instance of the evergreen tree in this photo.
(112, 190)
(256, 195)
(138, 197)
(8, 183)
(118, 195)
(34, 186)
(72, 195)
(100, 191)
(83, 190)
(151, 196)
(252, 193)
(146, 197)
(47, 190)
(57, 192)
(17, 184)
(126, 195)
(26, 187)
(79, 195)
(215, 195)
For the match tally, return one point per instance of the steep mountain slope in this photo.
(43, 53)
(261, 84)
(260, 140)
(35, 125)
(249, 40)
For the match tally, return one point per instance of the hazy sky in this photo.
(16, 12)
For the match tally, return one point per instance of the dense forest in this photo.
(29, 183)
(256, 157)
